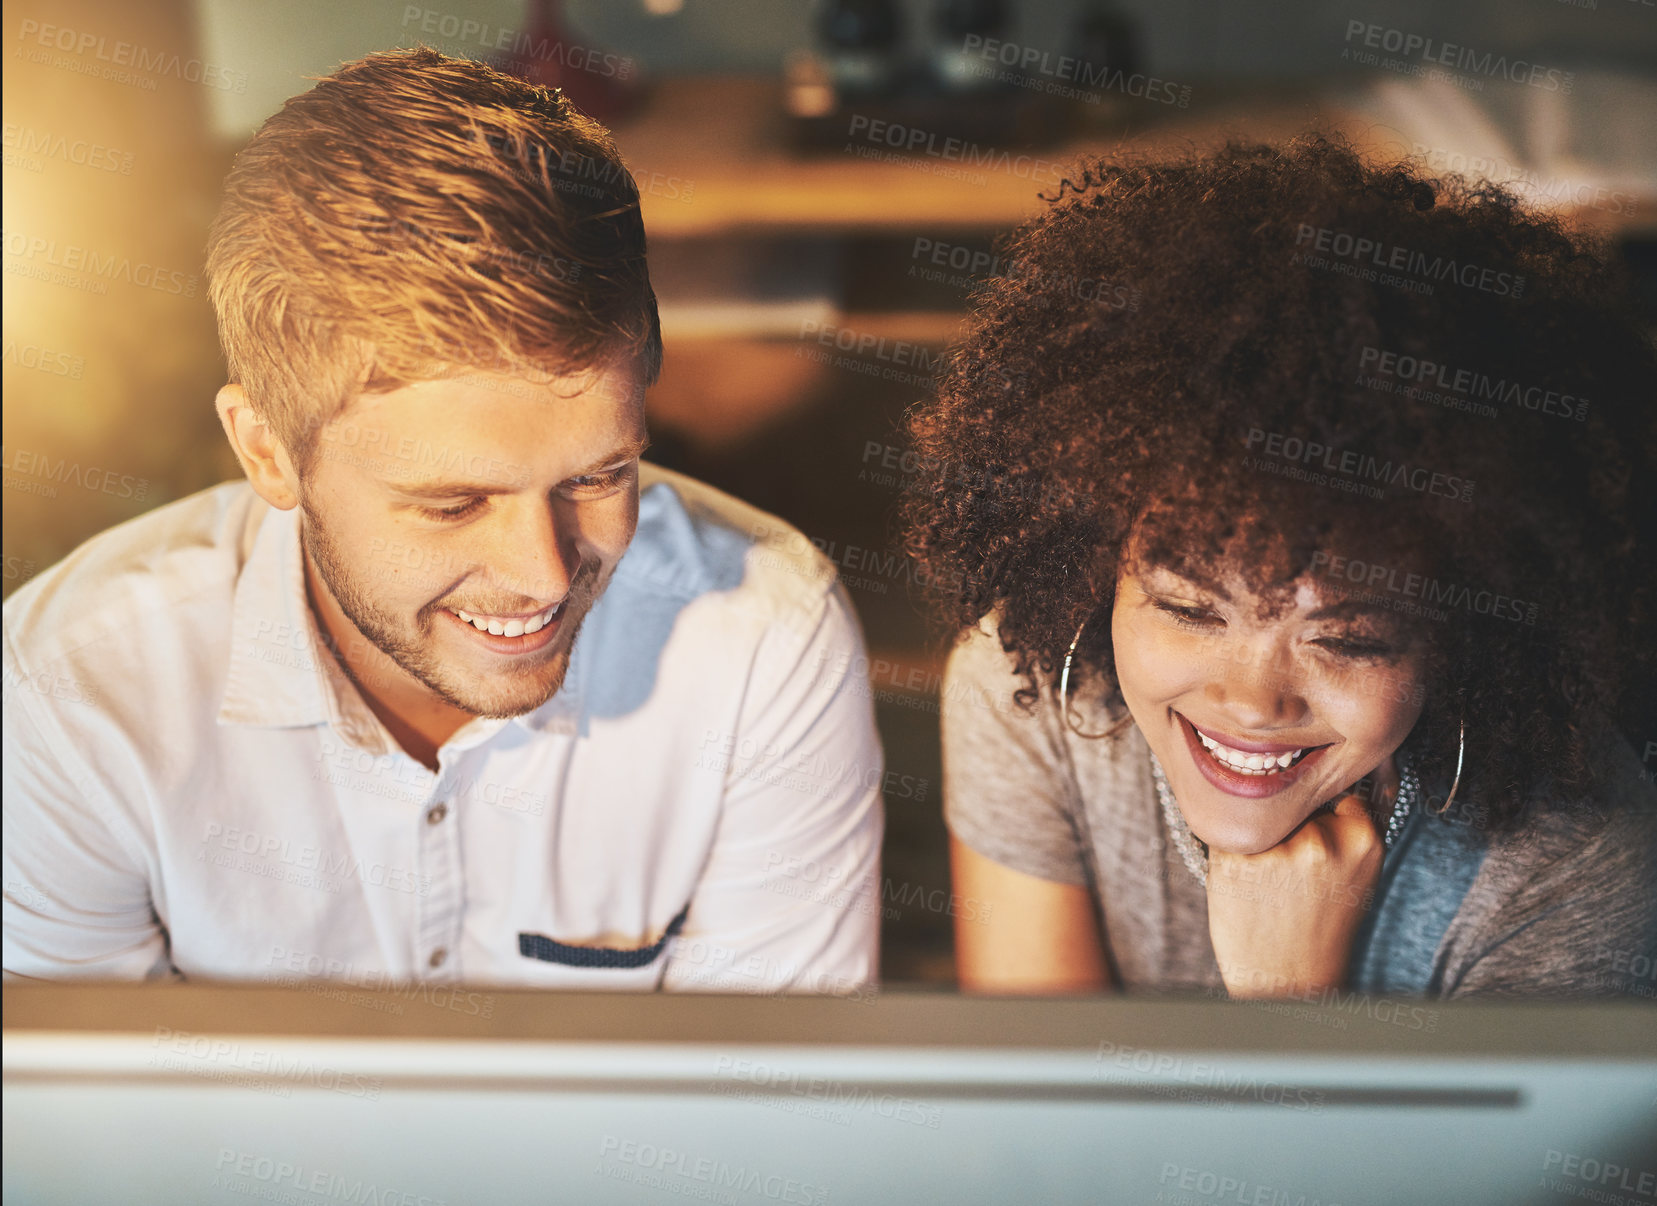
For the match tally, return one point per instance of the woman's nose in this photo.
(1257, 690)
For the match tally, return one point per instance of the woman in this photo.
(1297, 517)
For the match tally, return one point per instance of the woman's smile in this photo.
(1252, 769)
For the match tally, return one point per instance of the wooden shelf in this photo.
(712, 157)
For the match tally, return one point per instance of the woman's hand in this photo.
(1282, 921)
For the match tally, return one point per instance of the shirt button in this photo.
(439, 956)
(436, 813)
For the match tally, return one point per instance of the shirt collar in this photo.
(281, 676)
(276, 676)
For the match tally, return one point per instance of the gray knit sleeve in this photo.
(1568, 906)
(1008, 790)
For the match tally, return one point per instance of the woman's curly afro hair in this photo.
(1255, 360)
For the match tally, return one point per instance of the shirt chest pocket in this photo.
(619, 966)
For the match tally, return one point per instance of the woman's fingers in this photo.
(1283, 921)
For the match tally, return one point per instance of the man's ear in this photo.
(264, 460)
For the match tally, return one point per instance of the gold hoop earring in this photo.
(1461, 755)
(1064, 696)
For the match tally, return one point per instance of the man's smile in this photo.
(510, 625)
(511, 635)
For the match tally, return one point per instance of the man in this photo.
(453, 688)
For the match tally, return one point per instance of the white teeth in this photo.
(508, 628)
(1254, 764)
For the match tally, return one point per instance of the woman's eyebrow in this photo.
(1346, 609)
(1195, 577)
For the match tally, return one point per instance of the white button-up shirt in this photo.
(193, 786)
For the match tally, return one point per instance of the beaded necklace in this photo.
(1195, 853)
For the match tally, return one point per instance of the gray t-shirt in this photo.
(1565, 906)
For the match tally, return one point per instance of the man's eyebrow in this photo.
(505, 484)
(633, 448)
(452, 489)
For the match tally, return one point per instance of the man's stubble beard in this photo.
(414, 657)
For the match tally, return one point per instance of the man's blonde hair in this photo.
(414, 216)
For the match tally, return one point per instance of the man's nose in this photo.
(533, 552)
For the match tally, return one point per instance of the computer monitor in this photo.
(328, 1094)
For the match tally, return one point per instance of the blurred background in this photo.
(823, 186)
